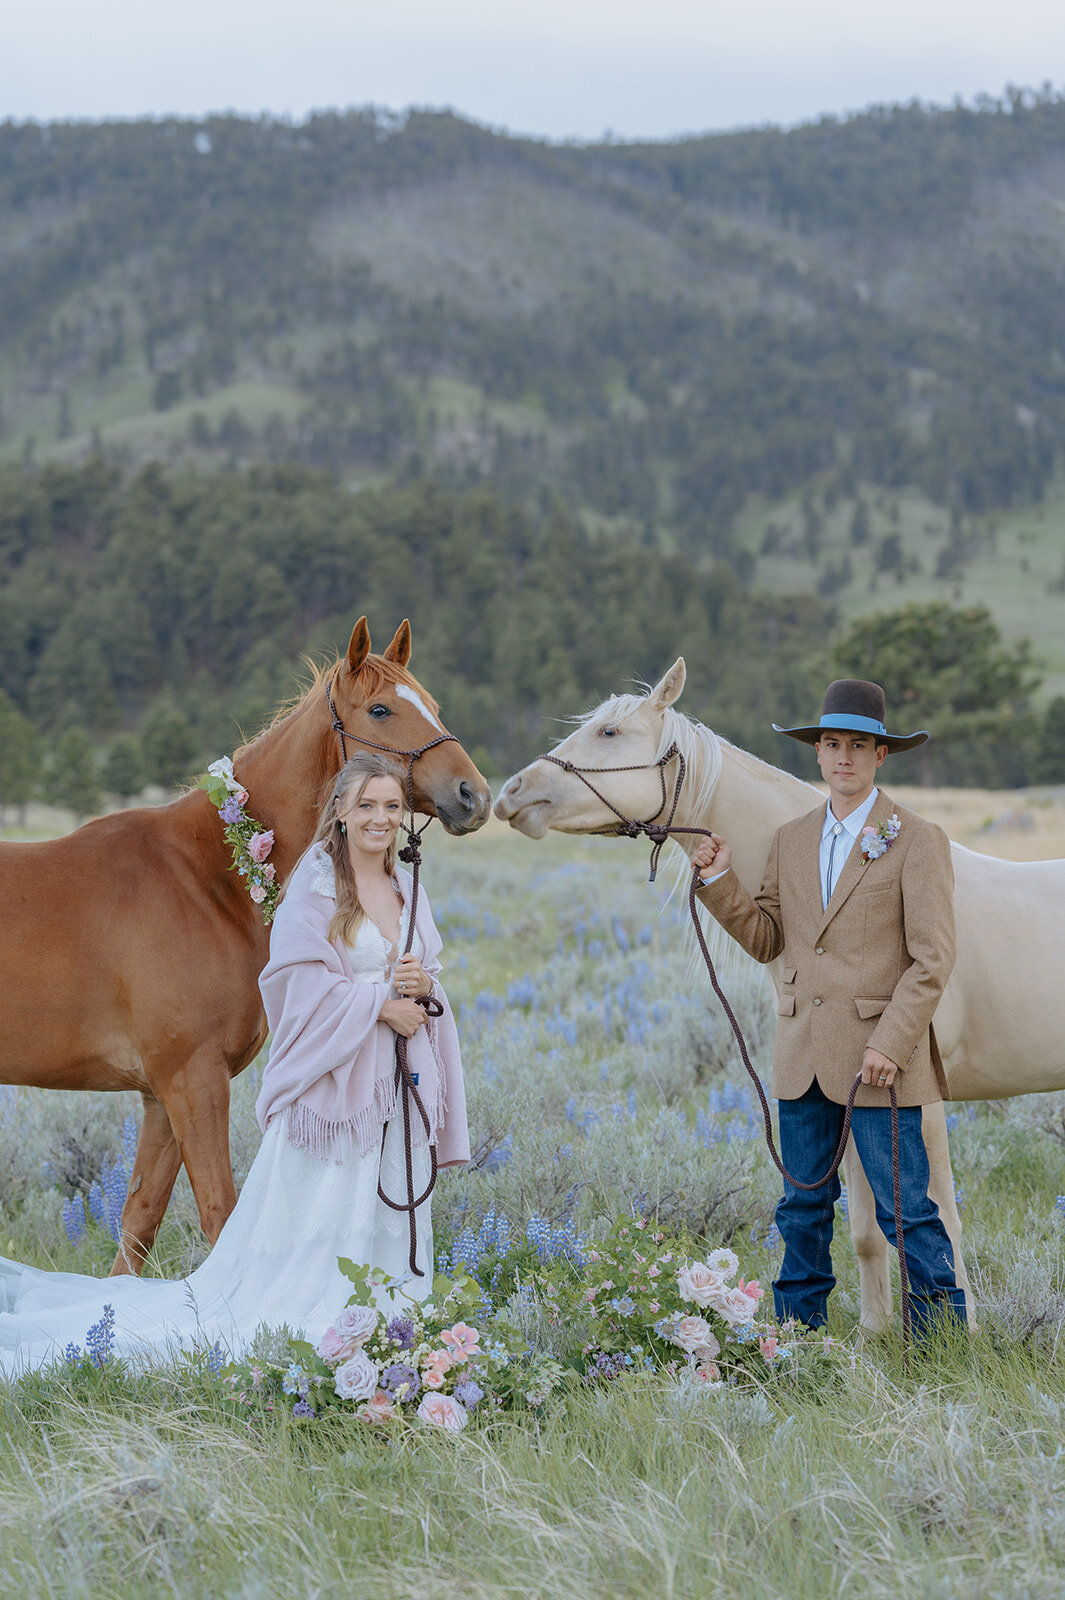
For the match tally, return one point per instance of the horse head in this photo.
(620, 746)
(380, 705)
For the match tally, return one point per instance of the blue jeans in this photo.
(809, 1133)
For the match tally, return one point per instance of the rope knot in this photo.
(411, 854)
(631, 830)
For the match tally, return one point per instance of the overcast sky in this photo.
(560, 68)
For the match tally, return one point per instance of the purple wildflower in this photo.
(401, 1331)
(99, 1341)
(395, 1377)
(469, 1393)
(232, 811)
(302, 1408)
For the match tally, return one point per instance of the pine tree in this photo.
(74, 782)
(19, 755)
(123, 768)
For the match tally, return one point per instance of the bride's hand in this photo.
(410, 979)
(403, 1017)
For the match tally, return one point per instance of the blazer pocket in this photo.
(786, 1005)
(870, 1008)
(790, 974)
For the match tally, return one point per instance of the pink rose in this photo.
(349, 1333)
(357, 1378)
(258, 893)
(693, 1333)
(442, 1359)
(260, 845)
(444, 1412)
(708, 1372)
(461, 1340)
(242, 796)
(379, 1409)
(334, 1349)
(700, 1283)
(269, 872)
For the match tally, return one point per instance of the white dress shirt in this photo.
(846, 835)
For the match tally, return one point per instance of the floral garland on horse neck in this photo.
(250, 841)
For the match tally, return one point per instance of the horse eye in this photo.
(379, 711)
(608, 733)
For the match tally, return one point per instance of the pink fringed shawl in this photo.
(332, 1063)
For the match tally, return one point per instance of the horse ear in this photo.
(668, 687)
(399, 650)
(358, 645)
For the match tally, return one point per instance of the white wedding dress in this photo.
(275, 1262)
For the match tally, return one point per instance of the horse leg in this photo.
(870, 1246)
(941, 1191)
(155, 1168)
(197, 1103)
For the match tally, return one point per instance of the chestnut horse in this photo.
(130, 954)
(998, 1020)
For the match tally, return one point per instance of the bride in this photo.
(336, 993)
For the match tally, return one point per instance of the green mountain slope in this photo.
(728, 347)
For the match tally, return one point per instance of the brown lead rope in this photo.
(658, 833)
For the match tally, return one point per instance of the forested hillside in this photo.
(583, 391)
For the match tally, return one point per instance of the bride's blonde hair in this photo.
(359, 770)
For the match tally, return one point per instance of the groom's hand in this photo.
(711, 856)
(878, 1070)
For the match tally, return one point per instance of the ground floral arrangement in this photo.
(634, 1302)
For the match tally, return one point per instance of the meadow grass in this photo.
(930, 1477)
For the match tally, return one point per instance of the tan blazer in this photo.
(869, 970)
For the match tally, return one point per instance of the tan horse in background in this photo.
(130, 954)
(998, 1023)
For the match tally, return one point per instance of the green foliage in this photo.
(169, 746)
(20, 755)
(122, 773)
(947, 670)
(72, 779)
(1048, 760)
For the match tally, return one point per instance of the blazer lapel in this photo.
(857, 863)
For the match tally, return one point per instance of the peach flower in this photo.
(443, 1412)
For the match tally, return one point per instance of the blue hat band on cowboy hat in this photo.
(852, 724)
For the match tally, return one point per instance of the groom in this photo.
(857, 899)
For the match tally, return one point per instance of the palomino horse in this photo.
(998, 1022)
(130, 953)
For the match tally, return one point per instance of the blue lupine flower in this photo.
(215, 1358)
(74, 1218)
(100, 1339)
(1059, 1205)
(72, 1354)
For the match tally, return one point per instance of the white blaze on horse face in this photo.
(416, 700)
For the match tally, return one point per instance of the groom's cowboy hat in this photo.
(854, 706)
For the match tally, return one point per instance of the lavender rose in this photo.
(357, 1378)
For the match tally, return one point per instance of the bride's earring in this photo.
(343, 827)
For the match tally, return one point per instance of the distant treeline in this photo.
(177, 607)
(917, 344)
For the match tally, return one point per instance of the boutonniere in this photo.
(876, 840)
